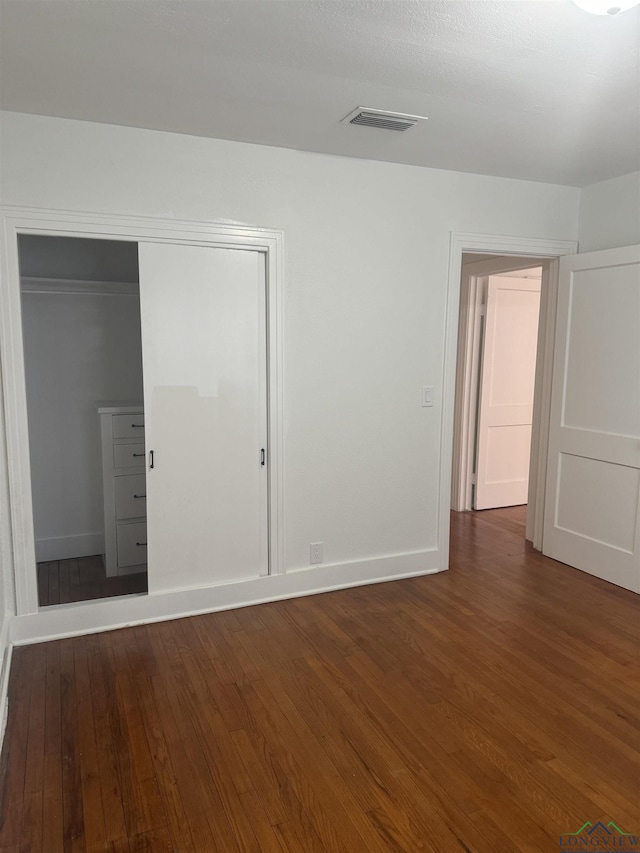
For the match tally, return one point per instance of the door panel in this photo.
(506, 392)
(593, 476)
(205, 390)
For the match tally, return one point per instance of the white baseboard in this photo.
(70, 620)
(69, 547)
(6, 649)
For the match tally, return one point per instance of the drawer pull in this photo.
(137, 454)
(139, 497)
(141, 544)
(137, 426)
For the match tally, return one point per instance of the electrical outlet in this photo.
(316, 552)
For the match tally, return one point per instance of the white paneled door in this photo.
(507, 375)
(204, 338)
(593, 476)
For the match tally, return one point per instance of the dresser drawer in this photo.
(128, 455)
(128, 426)
(131, 499)
(131, 544)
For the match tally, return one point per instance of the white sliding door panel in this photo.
(593, 482)
(505, 410)
(205, 393)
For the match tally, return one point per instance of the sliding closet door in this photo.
(205, 394)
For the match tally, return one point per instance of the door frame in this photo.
(470, 336)
(459, 348)
(33, 221)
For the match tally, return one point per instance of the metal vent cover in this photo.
(366, 117)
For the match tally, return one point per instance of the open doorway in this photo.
(494, 418)
(506, 376)
(83, 369)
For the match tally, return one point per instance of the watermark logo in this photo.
(600, 836)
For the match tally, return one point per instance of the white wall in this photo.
(79, 348)
(610, 214)
(366, 265)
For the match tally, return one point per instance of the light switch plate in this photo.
(427, 395)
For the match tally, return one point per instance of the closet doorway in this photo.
(211, 318)
(83, 370)
(147, 386)
(83, 357)
(500, 379)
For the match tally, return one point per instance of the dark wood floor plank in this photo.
(298, 835)
(205, 695)
(93, 814)
(33, 826)
(182, 788)
(262, 829)
(190, 774)
(54, 583)
(64, 581)
(178, 824)
(430, 780)
(43, 583)
(337, 819)
(269, 780)
(103, 690)
(490, 708)
(83, 579)
(198, 765)
(136, 781)
(72, 805)
(74, 581)
(14, 753)
(52, 809)
(53, 723)
(514, 741)
(34, 770)
(370, 769)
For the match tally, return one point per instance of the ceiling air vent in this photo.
(382, 119)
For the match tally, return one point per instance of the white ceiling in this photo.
(533, 89)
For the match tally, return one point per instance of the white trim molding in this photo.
(19, 220)
(542, 403)
(481, 244)
(87, 617)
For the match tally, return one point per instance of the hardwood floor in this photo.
(63, 581)
(487, 709)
